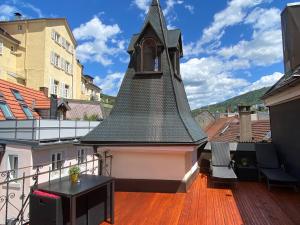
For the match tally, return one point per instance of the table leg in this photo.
(112, 202)
(73, 211)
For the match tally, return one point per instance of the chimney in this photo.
(245, 123)
(53, 107)
(290, 21)
(18, 16)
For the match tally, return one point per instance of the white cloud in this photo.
(10, 7)
(234, 13)
(209, 80)
(170, 6)
(142, 4)
(110, 84)
(265, 46)
(190, 8)
(7, 11)
(99, 41)
(168, 11)
(264, 81)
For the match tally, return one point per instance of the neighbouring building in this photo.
(239, 129)
(28, 138)
(9, 47)
(205, 119)
(283, 99)
(150, 133)
(89, 91)
(41, 54)
(81, 109)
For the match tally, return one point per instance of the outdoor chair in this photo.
(269, 167)
(221, 163)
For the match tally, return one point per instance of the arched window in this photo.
(150, 58)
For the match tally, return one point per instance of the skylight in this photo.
(6, 111)
(17, 95)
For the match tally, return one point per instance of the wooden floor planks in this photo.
(248, 203)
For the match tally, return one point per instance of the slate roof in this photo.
(228, 130)
(33, 99)
(173, 38)
(150, 108)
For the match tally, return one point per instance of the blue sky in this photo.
(230, 46)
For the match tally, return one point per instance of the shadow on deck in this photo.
(247, 203)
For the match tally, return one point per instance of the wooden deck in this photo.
(249, 203)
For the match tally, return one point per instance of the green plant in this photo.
(244, 162)
(93, 117)
(74, 170)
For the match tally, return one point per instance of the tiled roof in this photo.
(229, 131)
(213, 129)
(33, 99)
(78, 109)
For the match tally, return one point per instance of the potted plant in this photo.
(244, 162)
(74, 174)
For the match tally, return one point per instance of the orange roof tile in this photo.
(33, 99)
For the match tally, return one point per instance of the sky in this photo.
(230, 46)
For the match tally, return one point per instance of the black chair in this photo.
(45, 209)
(269, 167)
(221, 163)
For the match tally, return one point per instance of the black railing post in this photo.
(49, 175)
(23, 197)
(7, 196)
(93, 170)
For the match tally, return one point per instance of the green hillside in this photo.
(107, 99)
(250, 98)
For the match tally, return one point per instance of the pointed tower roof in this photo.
(155, 3)
(151, 107)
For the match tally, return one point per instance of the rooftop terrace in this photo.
(248, 203)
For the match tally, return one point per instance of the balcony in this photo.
(44, 129)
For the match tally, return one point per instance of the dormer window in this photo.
(175, 59)
(150, 57)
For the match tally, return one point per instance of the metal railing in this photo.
(14, 202)
(45, 129)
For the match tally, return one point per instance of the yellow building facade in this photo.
(9, 47)
(45, 57)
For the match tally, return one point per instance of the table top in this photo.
(65, 187)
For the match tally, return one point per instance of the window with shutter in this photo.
(1, 48)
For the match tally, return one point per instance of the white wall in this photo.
(24, 160)
(29, 157)
(159, 163)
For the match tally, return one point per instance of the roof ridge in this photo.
(171, 74)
